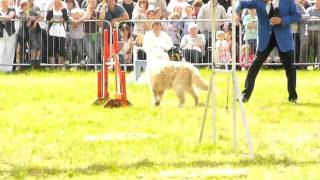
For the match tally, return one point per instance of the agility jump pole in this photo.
(106, 56)
(117, 67)
(120, 77)
(236, 91)
(102, 75)
(120, 95)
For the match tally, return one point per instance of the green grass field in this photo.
(45, 118)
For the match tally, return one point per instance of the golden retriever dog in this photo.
(181, 76)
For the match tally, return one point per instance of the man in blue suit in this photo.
(274, 19)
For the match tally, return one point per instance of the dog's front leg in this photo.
(157, 96)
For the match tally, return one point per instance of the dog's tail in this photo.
(199, 81)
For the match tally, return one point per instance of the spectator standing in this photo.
(174, 28)
(125, 45)
(7, 35)
(305, 3)
(44, 6)
(84, 3)
(205, 12)
(250, 29)
(222, 49)
(71, 4)
(56, 16)
(75, 37)
(196, 7)
(91, 36)
(140, 13)
(23, 34)
(113, 12)
(129, 6)
(180, 4)
(185, 25)
(225, 3)
(138, 41)
(162, 5)
(298, 29)
(79, 2)
(246, 57)
(35, 33)
(313, 30)
(158, 13)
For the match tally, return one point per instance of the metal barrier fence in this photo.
(306, 42)
(62, 44)
(175, 29)
(82, 43)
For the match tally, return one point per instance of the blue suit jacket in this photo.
(288, 13)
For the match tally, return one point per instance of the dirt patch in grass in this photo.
(203, 173)
(119, 137)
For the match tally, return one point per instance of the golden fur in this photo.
(181, 76)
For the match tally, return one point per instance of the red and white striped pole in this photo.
(106, 56)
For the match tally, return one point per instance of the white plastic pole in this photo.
(234, 109)
(213, 40)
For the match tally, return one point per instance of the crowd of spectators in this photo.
(64, 32)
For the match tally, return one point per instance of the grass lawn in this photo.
(46, 117)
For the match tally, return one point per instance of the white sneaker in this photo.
(82, 62)
(66, 63)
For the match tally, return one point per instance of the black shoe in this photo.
(293, 101)
(37, 64)
(32, 63)
(244, 100)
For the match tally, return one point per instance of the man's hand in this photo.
(32, 18)
(34, 25)
(275, 21)
(237, 18)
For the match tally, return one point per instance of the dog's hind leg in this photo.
(156, 102)
(180, 93)
(160, 96)
(194, 95)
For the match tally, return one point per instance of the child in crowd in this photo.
(151, 14)
(222, 49)
(174, 28)
(34, 17)
(23, 33)
(247, 57)
(188, 10)
(75, 37)
(125, 54)
(250, 23)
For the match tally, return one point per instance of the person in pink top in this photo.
(222, 53)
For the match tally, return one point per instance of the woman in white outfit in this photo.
(7, 36)
(156, 43)
(56, 17)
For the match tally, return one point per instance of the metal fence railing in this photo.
(63, 44)
(306, 51)
(82, 44)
